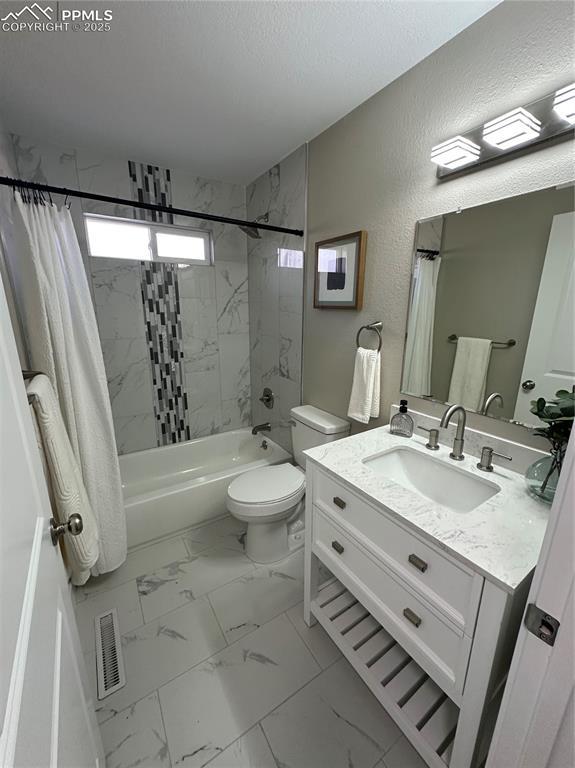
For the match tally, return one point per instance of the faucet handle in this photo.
(487, 455)
(433, 442)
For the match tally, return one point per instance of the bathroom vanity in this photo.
(431, 562)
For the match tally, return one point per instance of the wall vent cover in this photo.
(109, 660)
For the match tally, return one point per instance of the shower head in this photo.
(253, 232)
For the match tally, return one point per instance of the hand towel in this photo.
(68, 494)
(364, 399)
(470, 372)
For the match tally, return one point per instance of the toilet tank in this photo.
(311, 427)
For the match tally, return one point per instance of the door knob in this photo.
(74, 526)
(527, 385)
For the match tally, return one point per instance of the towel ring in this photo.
(375, 327)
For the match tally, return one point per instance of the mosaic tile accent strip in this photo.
(161, 299)
(151, 184)
(162, 315)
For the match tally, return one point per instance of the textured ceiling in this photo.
(223, 88)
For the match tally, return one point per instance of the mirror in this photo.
(491, 318)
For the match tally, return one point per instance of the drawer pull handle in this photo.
(339, 502)
(411, 616)
(338, 547)
(420, 564)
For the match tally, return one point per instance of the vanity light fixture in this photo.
(525, 128)
(512, 129)
(455, 153)
(564, 103)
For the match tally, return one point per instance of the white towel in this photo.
(470, 372)
(364, 399)
(68, 494)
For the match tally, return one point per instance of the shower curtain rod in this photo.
(6, 181)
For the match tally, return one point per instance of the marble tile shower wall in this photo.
(213, 300)
(276, 293)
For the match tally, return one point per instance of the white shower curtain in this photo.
(63, 342)
(419, 344)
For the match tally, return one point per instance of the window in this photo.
(288, 257)
(114, 238)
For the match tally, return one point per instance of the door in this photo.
(550, 355)
(47, 719)
(535, 728)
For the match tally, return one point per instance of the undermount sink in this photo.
(432, 478)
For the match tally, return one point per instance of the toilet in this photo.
(271, 499)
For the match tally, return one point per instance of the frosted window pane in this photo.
(290, 258)
(179, 247)
(118, 240)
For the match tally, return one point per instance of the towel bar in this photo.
(501, 344)
(30, 375)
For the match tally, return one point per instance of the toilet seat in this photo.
(267, 493)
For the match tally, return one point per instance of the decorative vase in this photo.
(535, 478)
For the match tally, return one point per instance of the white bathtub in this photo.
(176, 486)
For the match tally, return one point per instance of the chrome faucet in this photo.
(490, 400)
(457, 452)
(262, 428)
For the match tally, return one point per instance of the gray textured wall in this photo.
(371, 170)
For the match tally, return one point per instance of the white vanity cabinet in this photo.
(429, 634)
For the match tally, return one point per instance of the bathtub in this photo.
(170, 488)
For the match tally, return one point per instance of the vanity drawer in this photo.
(455, 590)
(432, 641)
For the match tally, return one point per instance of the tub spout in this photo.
(262, 428)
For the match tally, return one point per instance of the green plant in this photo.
(558, 414)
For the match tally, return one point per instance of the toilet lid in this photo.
(267, 485)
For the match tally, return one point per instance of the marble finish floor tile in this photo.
(184, 580)
(136, 737)
(227, 706)
(212, 705)
(402, 755)
(249, 751)
(123, 598)
(138, 562)
(334, 722)
(226, 532)
(322, 647)
(251, 601)
(163, 649)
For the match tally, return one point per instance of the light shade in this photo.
(511, 129)
(564, 103)
(455, 152)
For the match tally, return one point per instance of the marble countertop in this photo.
(500, 538)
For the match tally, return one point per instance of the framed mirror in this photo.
(491, 321)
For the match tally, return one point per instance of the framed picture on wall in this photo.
(339, 271)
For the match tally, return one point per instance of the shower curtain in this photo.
(419, 344)
(63, 342)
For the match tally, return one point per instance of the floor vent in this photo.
(109, 660)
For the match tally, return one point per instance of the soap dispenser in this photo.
(401, 423)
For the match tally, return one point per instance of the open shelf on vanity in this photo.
(422, 710)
